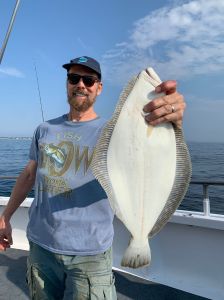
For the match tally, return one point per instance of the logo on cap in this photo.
(82, 59)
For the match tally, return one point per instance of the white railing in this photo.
(206, 200)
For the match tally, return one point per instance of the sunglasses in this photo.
(88, 80)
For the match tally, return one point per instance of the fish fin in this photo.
(136, 255)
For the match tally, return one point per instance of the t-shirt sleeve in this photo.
(33, 154)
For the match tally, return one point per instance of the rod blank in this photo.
(2, 50)
(38, 87)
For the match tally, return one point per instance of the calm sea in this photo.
(207, 162)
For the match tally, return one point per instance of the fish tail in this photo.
(137, 254)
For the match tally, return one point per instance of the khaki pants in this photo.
(53, 276)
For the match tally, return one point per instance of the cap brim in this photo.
(67, 66)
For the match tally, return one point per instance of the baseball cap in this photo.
(84, 61)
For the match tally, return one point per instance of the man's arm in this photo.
(168, 108)
(20, 191)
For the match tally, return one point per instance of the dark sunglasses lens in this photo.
(73, 78)
(87, 80)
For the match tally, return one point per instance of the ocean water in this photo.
(207, 165)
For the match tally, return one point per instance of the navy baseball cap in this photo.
(85, 61)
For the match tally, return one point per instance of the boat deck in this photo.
(13, 284)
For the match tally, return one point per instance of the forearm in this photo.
(20, 191)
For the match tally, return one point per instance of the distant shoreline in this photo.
(15, 138)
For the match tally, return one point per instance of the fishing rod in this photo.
(38, 88)
(2, 50)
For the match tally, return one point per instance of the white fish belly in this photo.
(141, 164)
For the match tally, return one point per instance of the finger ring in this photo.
(144, 114)
(173, 108)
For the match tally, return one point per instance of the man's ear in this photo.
(100, 88)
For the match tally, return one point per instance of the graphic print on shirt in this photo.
(55, 186)
(56, 154)
(57, 159)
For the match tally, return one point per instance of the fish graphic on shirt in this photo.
(55, 153)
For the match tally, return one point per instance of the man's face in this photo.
(80, 96)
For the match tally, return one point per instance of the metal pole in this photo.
(38, 87)
(9, 30)
(206, 201)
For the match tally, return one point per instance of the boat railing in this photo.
(206, 200)
(203, 183)
(8, 177)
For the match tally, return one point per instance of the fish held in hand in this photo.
(144, 170)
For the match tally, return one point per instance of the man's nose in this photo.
(80, 83)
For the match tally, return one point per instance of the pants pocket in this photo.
(40, 286)
(102, 287)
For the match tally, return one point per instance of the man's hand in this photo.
(167, 108)
(24, 184)
(5, 234)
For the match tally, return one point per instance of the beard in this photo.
(80, 105)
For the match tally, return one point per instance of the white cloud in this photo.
(180, 41)
(11, 72)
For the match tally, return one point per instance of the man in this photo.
(70, 227)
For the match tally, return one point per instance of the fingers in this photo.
(8, 237)
(166, 100)
(167, 108)
(167, 87)
(2, 248)
(4, 245)
(173, 117)
(4, 242)
(10, 241)
(5, 234)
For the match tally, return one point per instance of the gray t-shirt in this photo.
(70, 213)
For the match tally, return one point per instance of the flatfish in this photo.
(144, 170)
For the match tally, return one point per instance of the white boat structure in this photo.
(187, 254)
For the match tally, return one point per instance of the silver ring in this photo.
(173, 108)
(144, 114)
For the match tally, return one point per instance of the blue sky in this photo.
(182, 40)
